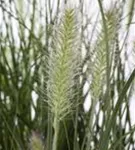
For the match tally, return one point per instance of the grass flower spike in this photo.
(63, 68)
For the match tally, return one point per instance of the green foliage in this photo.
(43, 76)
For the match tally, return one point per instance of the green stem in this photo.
(56, 132)
(111, 119)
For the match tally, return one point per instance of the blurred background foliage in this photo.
(106, 79)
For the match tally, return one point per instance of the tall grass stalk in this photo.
(62, 69)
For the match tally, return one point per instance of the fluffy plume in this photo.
(63, 67)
